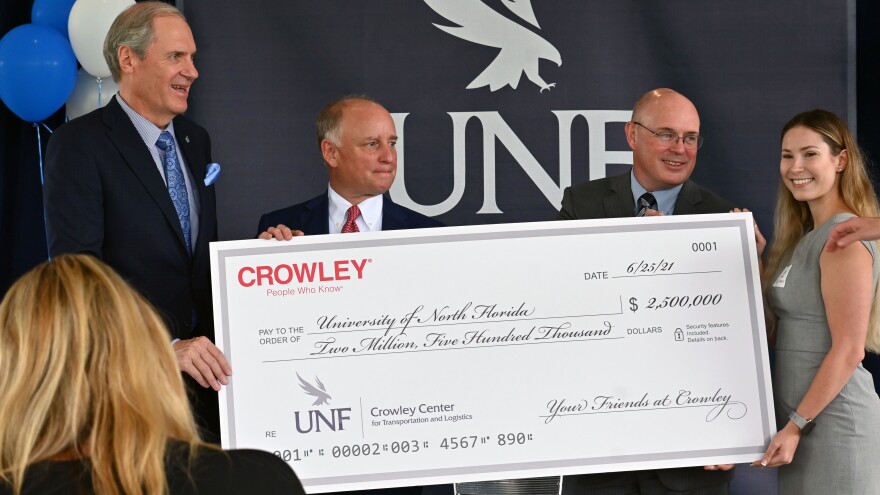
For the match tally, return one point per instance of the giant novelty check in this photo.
(497, 351)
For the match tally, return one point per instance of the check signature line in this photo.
(665, 274)
(625, 410)
(480, 322)
(434, 350)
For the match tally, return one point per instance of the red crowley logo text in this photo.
(316, 271)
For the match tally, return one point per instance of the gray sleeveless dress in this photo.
(842, 453)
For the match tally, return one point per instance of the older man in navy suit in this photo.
(357, 140)
(126, 183)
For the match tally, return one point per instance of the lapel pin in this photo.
(186, 138)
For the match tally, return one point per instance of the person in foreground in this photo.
(126, 183)
(357, 140)
(825, 306)
(92, 401)
(664, 136)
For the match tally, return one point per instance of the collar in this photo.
(665, 197)
(371, 212)
(147, 130)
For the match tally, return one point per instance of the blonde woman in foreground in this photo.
(92, 401)
(826, 307)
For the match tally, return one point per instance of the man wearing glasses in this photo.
(664, 136)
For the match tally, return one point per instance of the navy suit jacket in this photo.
(612, 197)
(312, 217)
(105, 196)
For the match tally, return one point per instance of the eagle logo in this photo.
(319, 393)
(521, 48)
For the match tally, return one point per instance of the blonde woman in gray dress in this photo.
(825, 304)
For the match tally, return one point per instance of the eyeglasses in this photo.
(690, 141)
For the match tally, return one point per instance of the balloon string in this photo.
(100, 88)
(40, 151)
(42, 181)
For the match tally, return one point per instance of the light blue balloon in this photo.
(37, 71)
(52, 13)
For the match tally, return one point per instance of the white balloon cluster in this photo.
(87, 26)
(89, 94)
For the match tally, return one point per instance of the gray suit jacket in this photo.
(612, 197)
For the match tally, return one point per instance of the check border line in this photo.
(221, 257)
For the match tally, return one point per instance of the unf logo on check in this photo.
(332, 420)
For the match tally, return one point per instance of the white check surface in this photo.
(492, 352)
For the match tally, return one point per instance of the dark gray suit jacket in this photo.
(612, 197)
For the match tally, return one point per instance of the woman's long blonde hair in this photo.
(793, 219)
(87, 371)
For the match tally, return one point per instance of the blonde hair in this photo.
(793, 218)
(87, 371)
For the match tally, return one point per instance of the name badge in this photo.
(780, 281)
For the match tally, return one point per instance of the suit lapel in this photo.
(316, 218)
(197, 164)
(620, 203)
(134, 152)
(688, 199)
(393, 218)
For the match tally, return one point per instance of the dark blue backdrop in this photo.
(268, 67)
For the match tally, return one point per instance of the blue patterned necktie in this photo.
(176, 185)
(646, 201)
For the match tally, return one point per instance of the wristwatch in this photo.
(805, 425)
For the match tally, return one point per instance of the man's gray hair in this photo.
(134, 28)
(327, 123)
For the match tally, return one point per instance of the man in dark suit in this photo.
(664, 136)
(357, 140)
(126, 183)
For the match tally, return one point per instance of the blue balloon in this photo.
(37, 71)
(52, 13)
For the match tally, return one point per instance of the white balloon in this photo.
(87, 25)
(85, 95)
